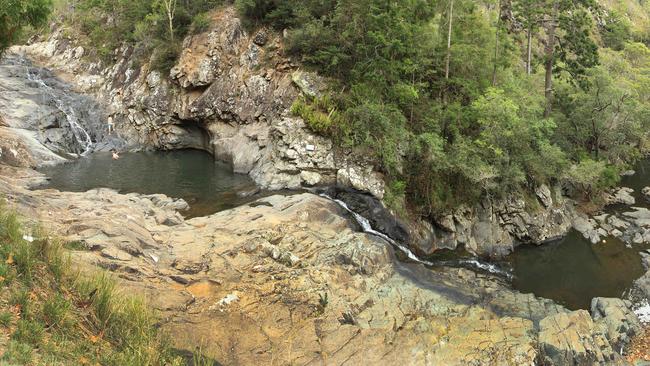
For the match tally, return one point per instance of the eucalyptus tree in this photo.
(569, 47)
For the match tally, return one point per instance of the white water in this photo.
(80, 134)
(367, 228)
(643, 312)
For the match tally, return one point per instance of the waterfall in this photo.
(472, 263)
(80, 134)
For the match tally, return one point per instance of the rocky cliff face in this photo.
(229, 94)
(494, 227)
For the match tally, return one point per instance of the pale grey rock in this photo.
(622, 195)
(361, 179)
(587, 228)
(618, 319)
(116, 254)
(309, 83)
(544, 195)
(310, 178)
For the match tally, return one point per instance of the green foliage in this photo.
(486, 129)
(320, 114)
(592, 176)
(615, 31)
(5, 318)
(29, 332)
(200, 23)
(609, 121)
(164, 56)
(15, 15)
(17, 353)
(110, 23)
(57, 309)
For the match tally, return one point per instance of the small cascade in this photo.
(470, 263)
(81, 136)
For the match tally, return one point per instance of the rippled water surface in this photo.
(208, 186)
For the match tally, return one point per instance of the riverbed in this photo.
(570, 271)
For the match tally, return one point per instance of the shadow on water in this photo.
(207, 186)
(572, 270)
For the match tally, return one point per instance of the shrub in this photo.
(200, 23)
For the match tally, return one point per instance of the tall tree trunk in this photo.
(529, 50)
(170, 7)
(550, 59)
(496, 47)
(448, 58)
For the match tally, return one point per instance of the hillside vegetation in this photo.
(455, 99)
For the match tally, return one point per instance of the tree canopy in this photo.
(15, 15)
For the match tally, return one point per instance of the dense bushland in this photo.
(458, 99)
(455, 99)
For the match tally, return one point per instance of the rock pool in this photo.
(207, 185)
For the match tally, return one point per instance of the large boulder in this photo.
(494, 227)
(574, 339)
(618, 319)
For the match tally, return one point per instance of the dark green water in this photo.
(572, 271)
(193, 175)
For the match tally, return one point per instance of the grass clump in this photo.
(49, 315)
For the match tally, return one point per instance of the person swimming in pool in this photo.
(115, 154)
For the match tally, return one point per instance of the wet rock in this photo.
(642, 285)
(44, 113)
(371, 208)
(587, 228)
(645, 258)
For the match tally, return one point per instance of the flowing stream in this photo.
(570, 271)
(470, 263)
(81, 136)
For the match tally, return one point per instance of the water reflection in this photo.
(208, 186)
